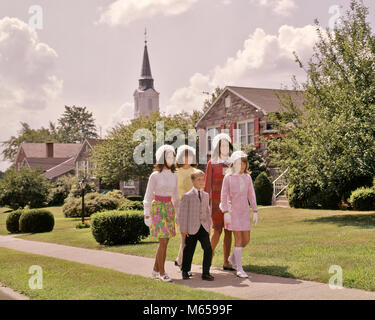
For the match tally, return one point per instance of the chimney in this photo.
(49, 146)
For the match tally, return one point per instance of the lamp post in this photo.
(82, 184)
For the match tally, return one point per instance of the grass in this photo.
(65, 280)
(294, 243)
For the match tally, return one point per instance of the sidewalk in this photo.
(257, 287)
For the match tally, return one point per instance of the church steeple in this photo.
(146, 81)
(146, 98)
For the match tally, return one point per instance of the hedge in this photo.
(119, 227)
(263, 189)
(363, 199)
(94, 202)
(12, 222)
(36, 220)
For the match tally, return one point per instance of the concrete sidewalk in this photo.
(257, 287)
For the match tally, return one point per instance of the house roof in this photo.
(60, 169)
(60, 150)
(266, 100)
(45, 163)
(94, 142)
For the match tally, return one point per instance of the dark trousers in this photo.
(191, 242)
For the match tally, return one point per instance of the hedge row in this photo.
(30, 221)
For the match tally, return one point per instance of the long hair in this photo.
(160, 166)
(217, 151)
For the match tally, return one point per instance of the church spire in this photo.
(146, 81)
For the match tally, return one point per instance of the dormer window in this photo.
(227, 102)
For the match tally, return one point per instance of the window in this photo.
(227, 102)
(211, 133)
(129, 184)
(247, 132)
(269, 126)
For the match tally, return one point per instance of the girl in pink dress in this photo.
(236, 193)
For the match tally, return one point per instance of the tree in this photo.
(26, 134)
(330, 144)
(25, 187)
(114, 157)
(75, 125)
(1, 174)
(257, 163)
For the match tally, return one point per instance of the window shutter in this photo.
(256, 133)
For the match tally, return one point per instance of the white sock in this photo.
(180, 252)
(237, 252)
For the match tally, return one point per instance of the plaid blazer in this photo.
(194, 213)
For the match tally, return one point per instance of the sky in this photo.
(89, 53)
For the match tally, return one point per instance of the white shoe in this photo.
(230, 259)
(242, 274)
(165, 278)
(155, 275)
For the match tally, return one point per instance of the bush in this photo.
(127, 204)
(135, 198)
(24, 187)
(118, 227)
(76, 192)
(12, 222)
(363, 199)
(60, 190)
(94, 202)
(36, 221)
(82, 225)
(263, 189)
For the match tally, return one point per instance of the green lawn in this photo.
(65, 280)
(295, 243)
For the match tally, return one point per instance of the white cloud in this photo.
(121, 115)
(279, 7)
(127, 11)
(265, 60)
(226, 2)
(27, 68)
(29, 86)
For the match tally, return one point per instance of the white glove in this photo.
(255, 218)
(148, 221)
(227, 219)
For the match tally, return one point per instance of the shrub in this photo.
(119, 227)
(76, 192)
(60, 190)
(23, 187)
(363, 199)
(94, 202)
(82, 225)
(36, 220)
(127, 204)
(117, 194)
(135, 198)
(263, 189)
(12, 222)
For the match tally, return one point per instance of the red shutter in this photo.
(222, 127)
(232, 127)
(256, 133)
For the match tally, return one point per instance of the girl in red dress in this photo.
(215, 172)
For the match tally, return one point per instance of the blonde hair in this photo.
(197, 173)
(230, 169)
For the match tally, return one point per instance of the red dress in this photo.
(214, 179)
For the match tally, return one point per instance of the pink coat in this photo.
(238, 190)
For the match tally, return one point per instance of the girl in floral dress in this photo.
(160, 206)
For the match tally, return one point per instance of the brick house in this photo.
(245, 109)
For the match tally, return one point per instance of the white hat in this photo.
(237, 155)
(181, 151)
(219, 137)
(160, 152)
